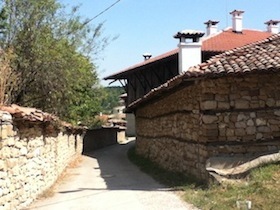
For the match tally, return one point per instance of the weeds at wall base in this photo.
(261, 188)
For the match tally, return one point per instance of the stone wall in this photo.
(32, 156)
(212, 117)
(102, 137)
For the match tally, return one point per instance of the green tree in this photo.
(111, 98)
(52, 57)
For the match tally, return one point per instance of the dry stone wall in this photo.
(213, 117)
(31, 159)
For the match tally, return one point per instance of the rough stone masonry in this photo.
(224, 116)
(32, 156)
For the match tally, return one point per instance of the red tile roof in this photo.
(261, 56)
(220, 42)
(227, 40)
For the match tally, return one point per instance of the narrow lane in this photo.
(106, 179)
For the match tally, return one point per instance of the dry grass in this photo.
(262, 187)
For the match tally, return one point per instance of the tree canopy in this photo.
(52, 58)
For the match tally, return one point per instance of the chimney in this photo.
(272, 26)
(147, 56)
(211, 27)
(237, 20)
(189, 52)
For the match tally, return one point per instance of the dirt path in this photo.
(106, 179)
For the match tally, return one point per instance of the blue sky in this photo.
(149, 25)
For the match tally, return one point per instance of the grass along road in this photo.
(261, 187)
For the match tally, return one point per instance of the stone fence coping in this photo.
(26, 115)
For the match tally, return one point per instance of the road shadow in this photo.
(118, 172)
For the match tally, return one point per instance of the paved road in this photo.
(105, 180)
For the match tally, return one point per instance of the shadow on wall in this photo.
(102, 137)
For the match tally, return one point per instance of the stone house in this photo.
(141, 78)
(227, 107)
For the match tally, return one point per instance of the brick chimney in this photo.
(211, 27)
(272, 26)
(189, 52)
(237, 21)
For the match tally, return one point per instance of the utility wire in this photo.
(105, 10)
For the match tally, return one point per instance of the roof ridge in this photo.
(231, 52)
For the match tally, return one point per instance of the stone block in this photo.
(14, 152)
(274, 128)
(3, 174)
(251, 130)
(213, 126)
(240, 132)
(233, 97)
(270, 102)
(222, 133)
(253, 115)
(208, 97)
(5, 152)
(208, 119)
(259, 136)
(262, 103)
(250, 123)
(233, 118)
(240, 125)
(212, 133)
(260, 122)
(222, 125)
(10, 142)
(242, 104)
(248, 98)
(3, 132)
(223, 105)
(11, 162)
(274, 122)
(226, 119)
(241, 117)
(23, 151)
(222, 98)
(230, 132)
(2, 165)
(264, 129)
(254, 92)
(249, 137)
(208, 105)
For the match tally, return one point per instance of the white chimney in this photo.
(272, 26)
(211, 27)
(189, 52)
(237, 21)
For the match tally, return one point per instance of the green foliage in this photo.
(111, 98)
(52, 56)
